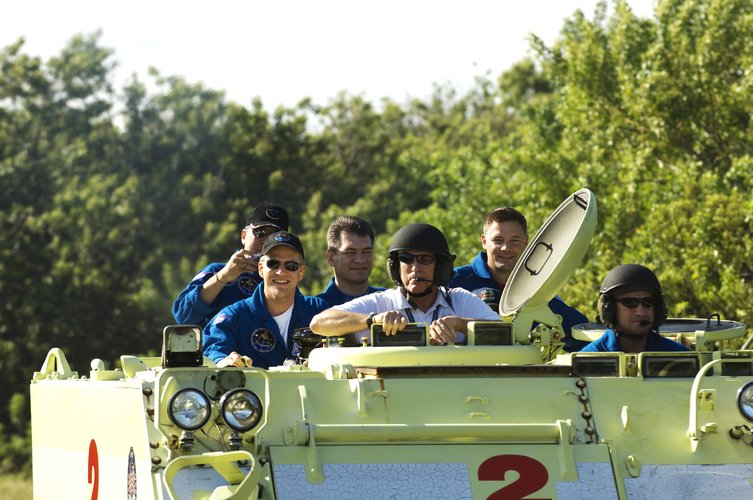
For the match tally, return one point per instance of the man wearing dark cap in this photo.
(420, 264)
(221, 284)
(257, 331)
(631, 305)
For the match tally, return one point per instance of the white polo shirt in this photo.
(464, 304)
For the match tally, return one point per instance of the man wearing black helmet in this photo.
(221, 284)
(631, 305)
(420, 264)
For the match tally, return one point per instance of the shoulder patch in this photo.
(219, 318)
(200, 275)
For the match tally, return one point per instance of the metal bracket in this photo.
(633, 466)
(314, 469)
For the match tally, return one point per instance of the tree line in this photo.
(114, 198)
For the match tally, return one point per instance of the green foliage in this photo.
(106, 214)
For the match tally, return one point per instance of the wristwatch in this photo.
(370, 320)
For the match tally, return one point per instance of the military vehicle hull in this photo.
(458, 429)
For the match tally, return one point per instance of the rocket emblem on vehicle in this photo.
(131, 475)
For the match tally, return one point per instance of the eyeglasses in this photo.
(290, 265)
(408, 258)
(632, 302)
(263, 231)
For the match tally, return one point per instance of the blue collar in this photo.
(479, 266)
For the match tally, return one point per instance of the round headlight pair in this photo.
(241, 409)
(190, 409)
(745, 401)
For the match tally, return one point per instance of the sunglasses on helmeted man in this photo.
(290, 265)
(632, 302)
(262, 232)
(408, 258)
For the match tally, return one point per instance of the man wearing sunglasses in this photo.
(631, 305)
(257, 331)
(221, 284)
(350, 252)
(420, 264)
(504, 238)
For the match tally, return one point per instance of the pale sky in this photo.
(283, 51)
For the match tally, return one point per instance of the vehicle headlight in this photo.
(189, 409)
(241, 409)
(745, 400)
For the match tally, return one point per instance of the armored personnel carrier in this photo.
(507, 416)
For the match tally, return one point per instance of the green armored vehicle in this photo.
(507, 416)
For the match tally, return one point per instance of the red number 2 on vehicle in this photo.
(532, 476)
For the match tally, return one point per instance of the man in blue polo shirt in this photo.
(350, 252)
(258, 331)
(504, 239)
(221, 284)
(631, 305)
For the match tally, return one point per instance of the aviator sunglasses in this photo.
(632, 302)
(262, 232)
(408, 258)
(289, 264)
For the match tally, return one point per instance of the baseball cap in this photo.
(282, 238)
(269, 214)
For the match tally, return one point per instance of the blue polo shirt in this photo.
(477, 278)
(655, 342)
(247, 328)
(333, 296)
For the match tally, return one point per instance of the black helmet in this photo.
(424, 238)
(626, 278)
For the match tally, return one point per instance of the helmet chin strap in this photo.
(409, 295)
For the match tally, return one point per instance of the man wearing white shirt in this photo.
(420, 264)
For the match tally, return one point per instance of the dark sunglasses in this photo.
(262, 232)
(632, 302)
(289, 265)
(408, 258)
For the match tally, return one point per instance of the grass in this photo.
(15, 487)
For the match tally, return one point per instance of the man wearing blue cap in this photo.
(258, 330)
(221, 284)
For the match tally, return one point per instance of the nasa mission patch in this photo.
(489, 295)
(248, 282)
(263, 340)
